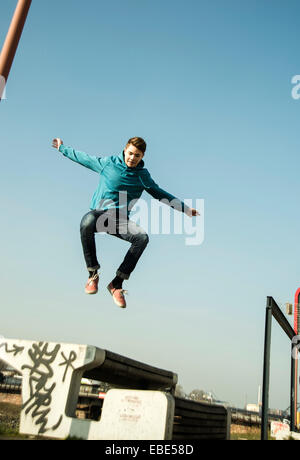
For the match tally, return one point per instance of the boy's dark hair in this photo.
(139, 143)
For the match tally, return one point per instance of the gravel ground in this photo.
(10, 416)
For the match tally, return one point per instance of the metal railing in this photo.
(272, 310)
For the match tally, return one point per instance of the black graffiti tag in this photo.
(41, 372)
(68, 362)
(15, 350)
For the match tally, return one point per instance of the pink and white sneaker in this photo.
(91, 286)
(118, 295)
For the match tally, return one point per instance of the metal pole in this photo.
(293, 395)
(266, 371)
(297, 331)
(296, 391)
(12, 40)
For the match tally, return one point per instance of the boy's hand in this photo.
(56, 143)
(192, 212)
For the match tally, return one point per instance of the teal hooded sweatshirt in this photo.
(120, 186)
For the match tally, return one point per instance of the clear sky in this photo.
(207, 83)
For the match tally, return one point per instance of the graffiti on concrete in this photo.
(39, 402)
(15, 350)
(68, 362)
(41, 391)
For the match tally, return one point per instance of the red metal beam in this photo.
(297, 330)
(12, 40)
(296, 312)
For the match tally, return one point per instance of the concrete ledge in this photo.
(143, 408)
(51, 377)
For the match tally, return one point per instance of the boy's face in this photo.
(132, 156)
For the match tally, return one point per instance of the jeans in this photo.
(118, 225)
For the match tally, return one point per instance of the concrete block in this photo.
(51, 377)
(137, 415)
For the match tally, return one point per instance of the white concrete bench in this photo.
(143, 408)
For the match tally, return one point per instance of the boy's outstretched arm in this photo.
(158, 193)
(91, 162)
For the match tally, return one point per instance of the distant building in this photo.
(252, 408)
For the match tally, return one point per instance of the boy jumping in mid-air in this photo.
(123, 179)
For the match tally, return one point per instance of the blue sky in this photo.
(208, 85)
